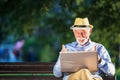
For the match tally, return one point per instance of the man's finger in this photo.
(63, 48)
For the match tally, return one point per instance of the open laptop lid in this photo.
(74, 61)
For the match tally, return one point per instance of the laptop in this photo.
(74, 61)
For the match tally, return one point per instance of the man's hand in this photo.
(63, 48)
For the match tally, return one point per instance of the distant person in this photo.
(18, 49)
(82, 31)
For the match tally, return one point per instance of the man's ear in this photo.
(90, 30)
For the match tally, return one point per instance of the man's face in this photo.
(82, 35)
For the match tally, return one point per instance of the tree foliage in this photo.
(44, 24)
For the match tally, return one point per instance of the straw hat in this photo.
(81, 23)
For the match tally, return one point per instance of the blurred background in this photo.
(34, 30)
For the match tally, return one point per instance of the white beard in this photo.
(82, 41)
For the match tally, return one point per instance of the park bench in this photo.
(31, 71)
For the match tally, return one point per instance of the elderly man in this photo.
(82, 31)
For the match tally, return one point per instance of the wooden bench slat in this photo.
(26, 68)
(29, 78)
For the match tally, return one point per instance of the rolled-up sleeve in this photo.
(57, 69)
(106, 64)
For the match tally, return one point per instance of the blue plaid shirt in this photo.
(105, 65)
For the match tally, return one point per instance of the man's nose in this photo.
(81, 34)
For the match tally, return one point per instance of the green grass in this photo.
(39, 74)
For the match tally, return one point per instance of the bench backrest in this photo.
(26, 67)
